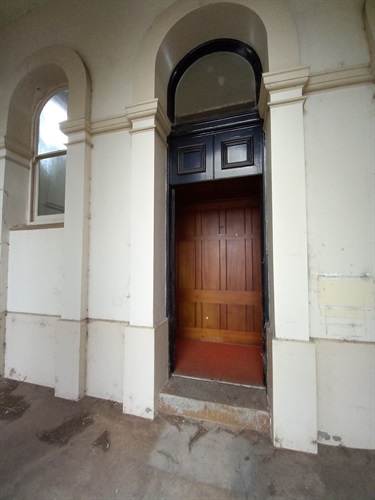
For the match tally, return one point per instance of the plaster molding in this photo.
(113, 124)
(16, 147)
(287, 102)
(75, 125)
(147, 116)
(290, 78)
(278, 84)
(318, 82)
(342, 77)
(136, 112)
(78, 131)
(16, 152)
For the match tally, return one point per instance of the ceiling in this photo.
(12, 9)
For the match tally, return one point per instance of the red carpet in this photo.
(223, 362)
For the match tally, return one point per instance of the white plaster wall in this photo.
(30, 348)
(331, 33)
(346, 393)
(105, 360)
(35, 271)
(340, 170)
(109, 253)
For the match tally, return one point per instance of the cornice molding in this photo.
(77, 130)
(283, 80)
(342, 77)
(69, 127)
(147, 116)
(309, 83)
(113, 124)
(15, 151)
(278, 84)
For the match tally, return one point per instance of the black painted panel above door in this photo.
(217, 155)
(191, 159)
(237, 153)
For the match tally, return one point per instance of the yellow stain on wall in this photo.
(346, 292)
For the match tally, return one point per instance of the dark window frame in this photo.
(211, 47)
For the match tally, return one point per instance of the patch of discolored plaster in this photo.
(324, 435)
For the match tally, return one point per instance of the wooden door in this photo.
(218, 286)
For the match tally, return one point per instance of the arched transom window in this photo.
(218, 78)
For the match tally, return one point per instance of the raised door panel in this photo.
(218, 293)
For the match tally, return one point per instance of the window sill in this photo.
(27, 227)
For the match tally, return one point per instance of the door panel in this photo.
(218, 272)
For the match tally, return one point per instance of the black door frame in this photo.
(207, 127)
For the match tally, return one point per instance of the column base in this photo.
(294, 395)
(145, 368)
(71, 359)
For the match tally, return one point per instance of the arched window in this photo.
(49, 165)
(218, 78)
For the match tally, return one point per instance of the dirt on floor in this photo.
(11, 406)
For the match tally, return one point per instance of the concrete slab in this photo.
(54, 449)
(222, 403)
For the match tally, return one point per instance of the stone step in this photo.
(222, 403)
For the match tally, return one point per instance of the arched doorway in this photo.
(215, 183)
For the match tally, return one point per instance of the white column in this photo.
(71, 330)
(291, 355)
(146, 337)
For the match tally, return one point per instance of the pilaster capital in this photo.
(78, 131)
(148, 115)
(15, 151)
(282, 87)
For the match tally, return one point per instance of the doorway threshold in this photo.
(227, 404)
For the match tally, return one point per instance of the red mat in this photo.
(222, 362)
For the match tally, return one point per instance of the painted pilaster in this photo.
(14, 178)
(291, 354)
(71, 331)
(288, 212)
(146, 336)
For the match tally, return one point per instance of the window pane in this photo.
(215, 84)
(50, 136)
(237, 153)
(51, 185)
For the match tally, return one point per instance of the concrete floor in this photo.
(57, 449)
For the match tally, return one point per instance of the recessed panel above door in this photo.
(216, 155)
(237, 153)
(191, 160)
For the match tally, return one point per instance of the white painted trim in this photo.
(342, 77)
(111, 124)
(16, 152)
(148, 115)
(318, 82)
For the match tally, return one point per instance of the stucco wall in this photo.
(339, 152)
